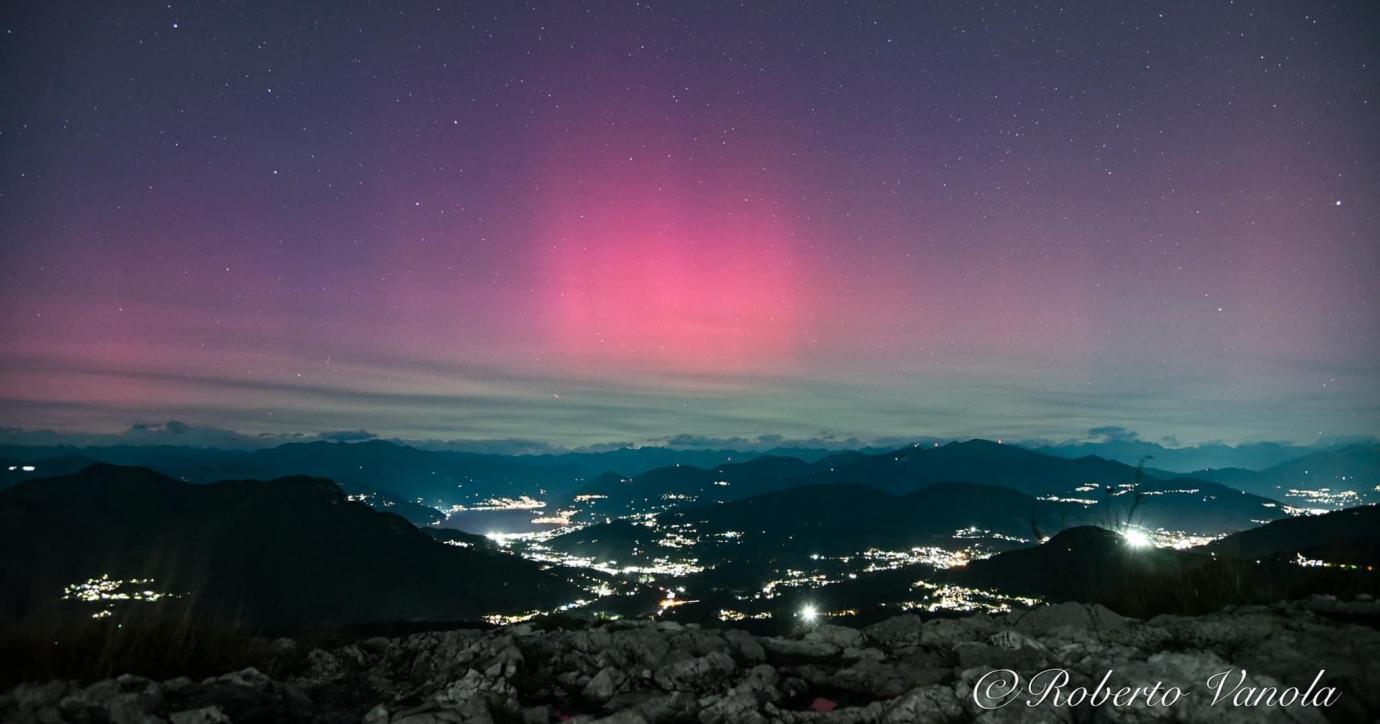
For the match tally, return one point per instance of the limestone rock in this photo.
(903, 669)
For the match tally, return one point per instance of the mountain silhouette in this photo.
(975, 461)
(1096, 565)
(1185, 504)
(284, 553)
(15, 471)
(433, 477)
(1353, 467)
(745, 539)
(1252, 456)
(1344, 536)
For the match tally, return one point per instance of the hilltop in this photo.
(290, 552)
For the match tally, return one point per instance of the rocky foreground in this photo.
(905, 669)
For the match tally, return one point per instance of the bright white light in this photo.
(809, 614)
(1137, 538)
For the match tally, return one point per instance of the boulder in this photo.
(204, 715)
(1047, 619)
(604, 684)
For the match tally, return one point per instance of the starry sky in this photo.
(582, 223)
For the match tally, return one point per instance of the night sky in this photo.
(583, 223)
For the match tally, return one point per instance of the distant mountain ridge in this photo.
(913, 468)
(976, 461)
(436, 478)
(1253, 456)
(1350, 467)
(441, 478)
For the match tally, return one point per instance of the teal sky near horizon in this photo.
(623, 222)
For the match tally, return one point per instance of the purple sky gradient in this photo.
(582, 223)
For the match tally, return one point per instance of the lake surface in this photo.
(484, 522)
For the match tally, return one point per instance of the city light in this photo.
(1137, 538)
